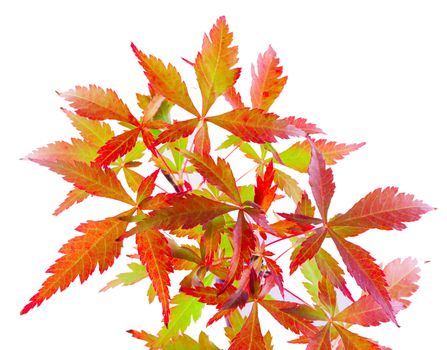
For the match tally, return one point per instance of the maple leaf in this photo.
(166, 81)
(284, 313)
(276, 271)
(146, 187)
(92, 131)
(321, 182)
(214, 63)
(98, 246)
(304, 206)
(91, 178)
(367, 274)
(210, 240)
(401, 277)
(250, 336)
(255, 125)
(298, 155)
(267, 84)
(96, 103)
(330, 269)
(202, 143)
(78, 150)
(234, 98)
(133, 179)
(265, 193)
(185, 310)
(289, 185)
(155, 254)
(137, 273)
(307, 250)
(74, 196)
(177, 130)
(322, 340)
(116, 147)
(185, 212)
(243, 243)
(353, 341)
(384, 209)
(218, 174)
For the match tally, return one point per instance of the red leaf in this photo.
(202, 144)
(95, 103)
(302, 220)
(209, 295)
(234, 98)
(308, 249)
(322, 340)
(243, 244)
(116, 147)
(353, 341)
(177, 130)
(166, 81)
(218, 174)
(250, 336)
(276, 271)
(155, 254)
(267, 84)
(283, 312)
(264, 191)
(99, 246)
(91, 178)
(321, 182)
(368, 275)
(213, 65)
(211, 239)
(383, 209)
(255, 125)
(330, 269)
(185, 212)
(147, 187)
(333, 152)
(74, 196)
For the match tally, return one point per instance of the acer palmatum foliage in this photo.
(231, 258)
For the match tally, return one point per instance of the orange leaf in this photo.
(267, 84)
(74, 196)
(60, 150)
(96, 103)
(322, 340)
(177, 130)
(234, 98)
(202, 144)
(166, 81)
(213, 65)
(255, 125)
(99, 246)
(185, 212)
(91, 178)
(116, 147)
(353, 341)
(250, 336)
(92, 131)
(218, 174)
(156, 255)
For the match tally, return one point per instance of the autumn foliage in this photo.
(230, 261)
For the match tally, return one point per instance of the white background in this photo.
(362, 70)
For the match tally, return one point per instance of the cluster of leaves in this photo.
(229, 259)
